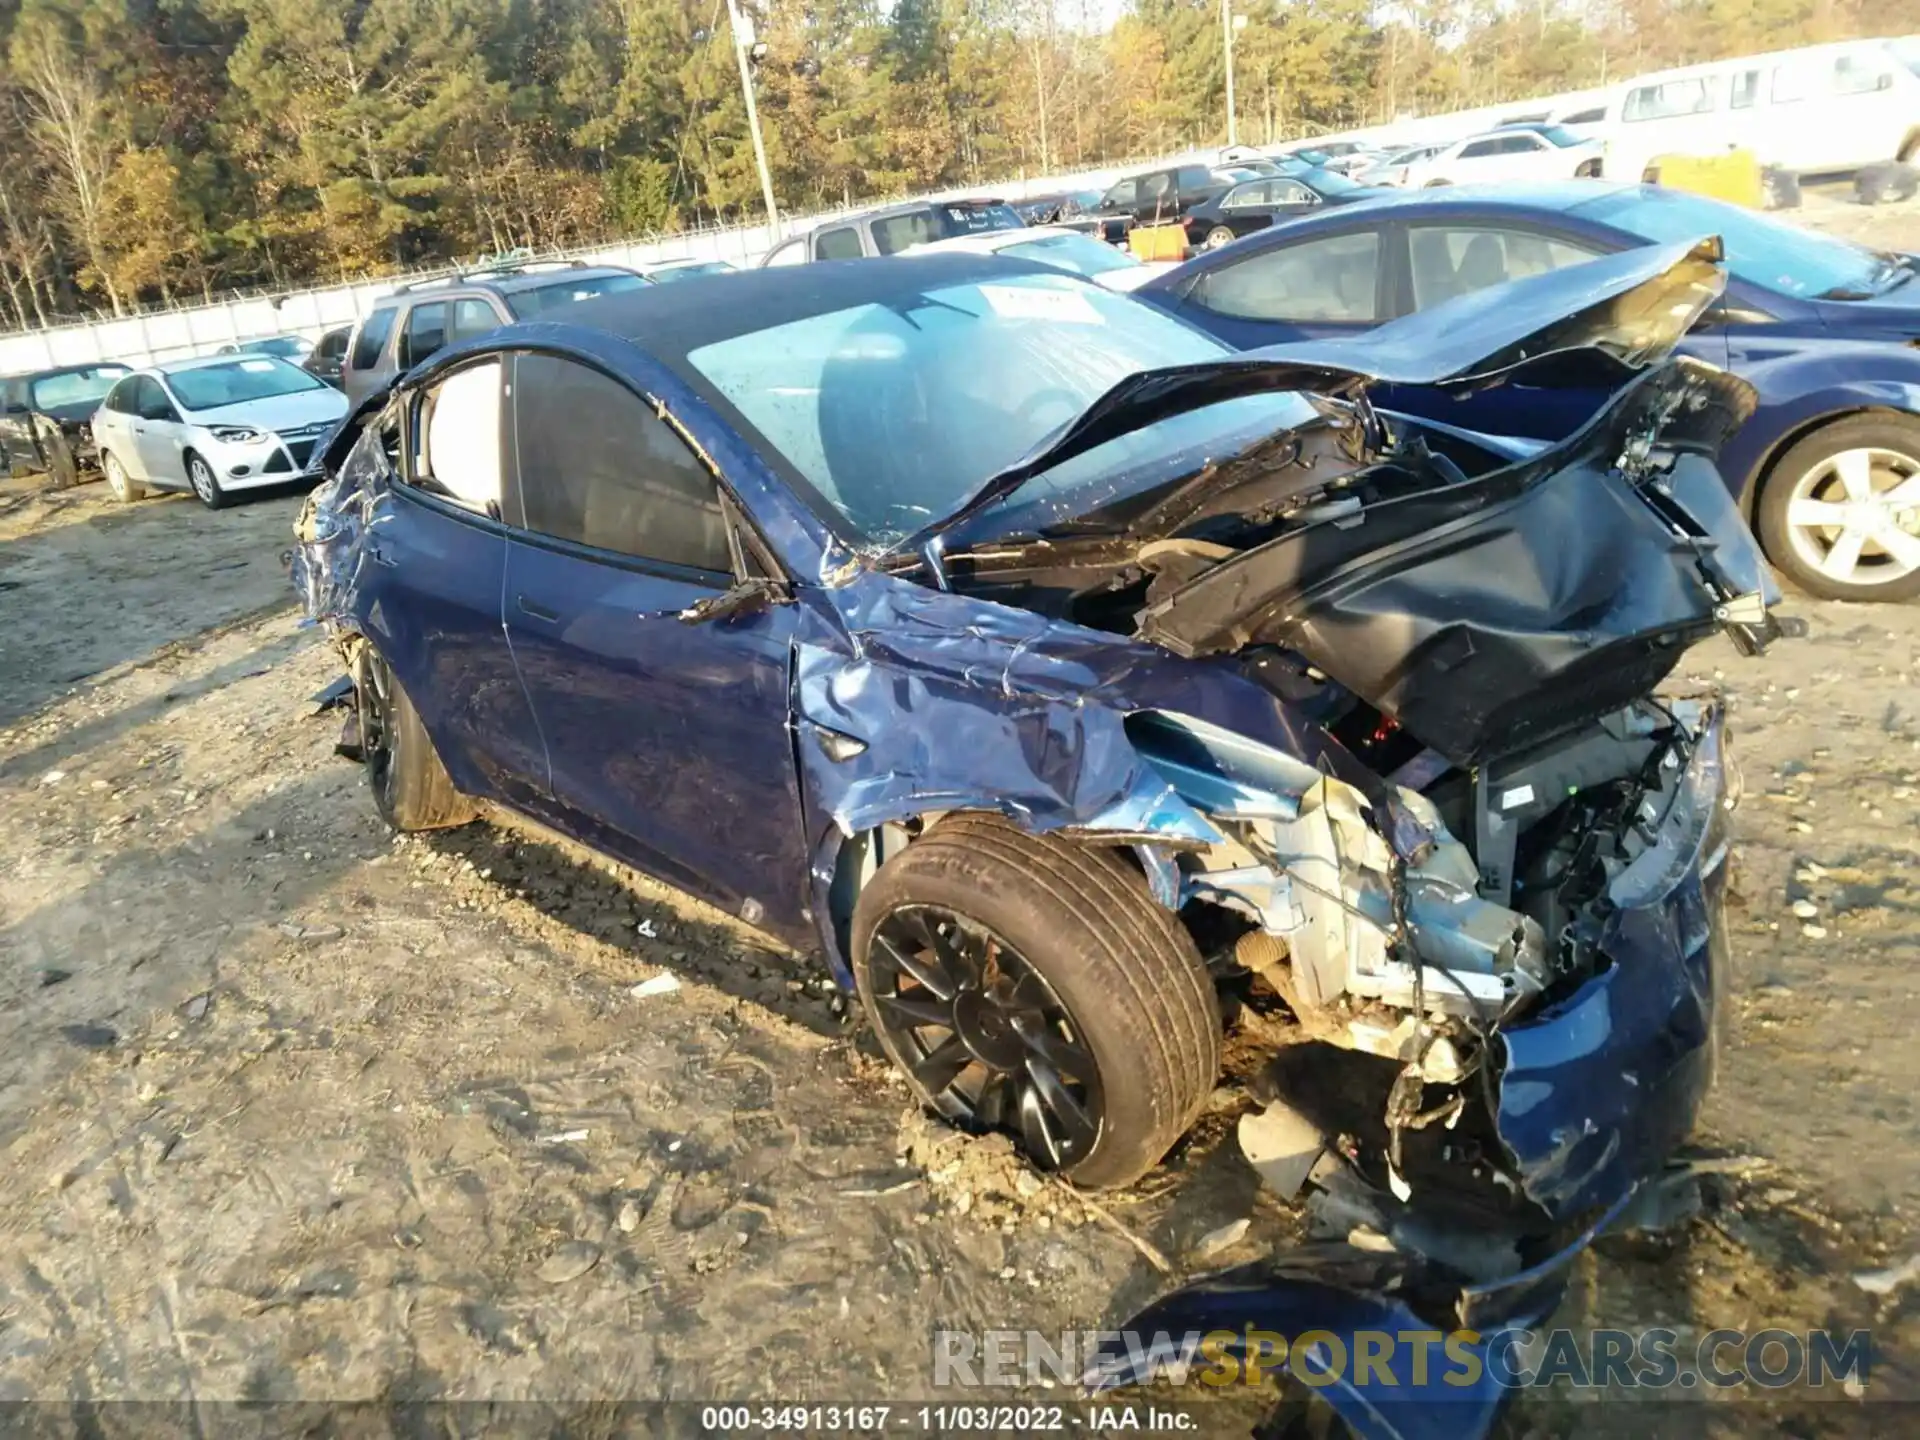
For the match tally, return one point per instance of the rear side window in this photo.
(119, 399)
(1744, 91)
(897, 232)
(840, 244)
(1588, 117)
(1195, 177)
(426, 333)
(1336, 278)
(372, 339)
(598, 467)
(1457, 260)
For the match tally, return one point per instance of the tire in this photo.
(1219, 235)
(125, 488)
(411, 788)
(1133, 1017)
(1874, 455)
(63, 469)
(205, 483)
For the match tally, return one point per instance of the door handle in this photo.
(535, 609)
(139, 429)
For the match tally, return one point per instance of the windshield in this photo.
(1081, 254)
(538, 303)
(952, 220)
(895, 415)
(1557, 134)
(76, 387)
(1332, 182)
(672, 273)
(1782, 258)
(283, 345)
(237, 382)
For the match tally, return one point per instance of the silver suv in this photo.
(407, 326)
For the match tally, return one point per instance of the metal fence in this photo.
(170, 334)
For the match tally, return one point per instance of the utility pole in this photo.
(743, 38)
(1226, 30)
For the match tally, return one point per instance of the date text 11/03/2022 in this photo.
(1100, 1416)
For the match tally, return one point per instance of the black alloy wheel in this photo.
(984, 1033)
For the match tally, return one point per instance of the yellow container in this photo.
(1733, 177)
(1158, 242)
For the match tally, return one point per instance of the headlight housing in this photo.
(239, 435)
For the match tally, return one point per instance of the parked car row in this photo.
(249, 415)
(1819, 110)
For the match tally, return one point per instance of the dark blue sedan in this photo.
(1825, 330)
(1060, 674)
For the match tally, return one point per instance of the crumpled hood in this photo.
(1619, 314)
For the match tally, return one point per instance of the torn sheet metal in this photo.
(1465, 613)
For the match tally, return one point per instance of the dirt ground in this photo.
(290, 1108)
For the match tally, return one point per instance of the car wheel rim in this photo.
(202, 480)
(116, 479)
(1218, 237)
(1855, 517)
(376, 729)
(984, 1034)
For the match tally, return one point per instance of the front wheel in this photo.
(1840, 514)
(411, 787)
(1031, 985)
(200, 476)
(1219, 235)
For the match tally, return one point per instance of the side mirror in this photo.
(747, 597)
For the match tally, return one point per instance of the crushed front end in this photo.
(1482, 928)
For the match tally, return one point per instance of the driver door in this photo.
(159, 437)
(669, 740)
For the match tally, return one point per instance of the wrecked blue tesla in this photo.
(1064, 676)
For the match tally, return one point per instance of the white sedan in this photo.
(1069, 250)
(1513, 152)
(213, 426)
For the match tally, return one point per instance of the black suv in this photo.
(407, 326)
(1158, 197)
(889, 231)
(46, 419)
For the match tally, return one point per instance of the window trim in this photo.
(743, 532)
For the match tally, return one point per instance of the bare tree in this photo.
(69, 125)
